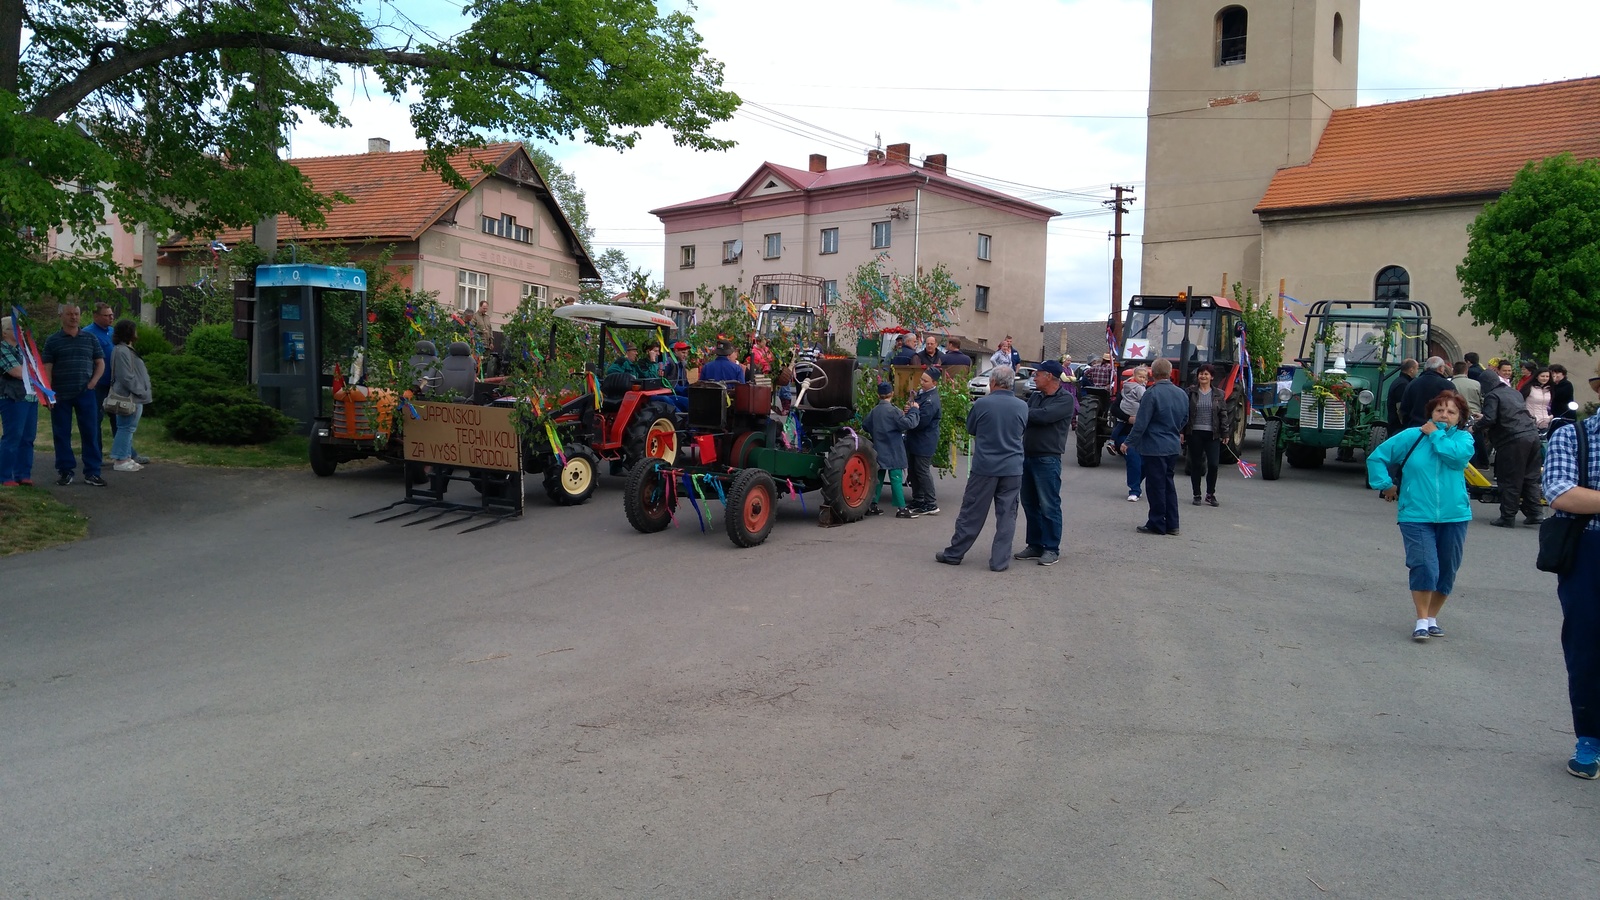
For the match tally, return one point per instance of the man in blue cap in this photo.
(1050, 411)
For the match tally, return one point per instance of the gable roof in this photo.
(1466, 146)
(885, 171)
(395, 199)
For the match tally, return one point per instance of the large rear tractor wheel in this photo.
(1271, 451)
(323, 463)
(847, 476)
(649, 499)
(652, 433)
(752, 507)
(1303, 457)
(573, 483)
(1090, 444)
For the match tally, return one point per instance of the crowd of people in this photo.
(86, 375)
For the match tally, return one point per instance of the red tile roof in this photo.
(886, 170)
(1463, 146)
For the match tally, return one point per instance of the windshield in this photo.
(792, 322)
(1159, 333)
(1362, 342)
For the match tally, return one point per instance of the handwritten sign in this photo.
(456, 434)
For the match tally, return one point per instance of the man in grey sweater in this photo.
(996, 423)
(1050, 410)
(1515, 438)
(1163, 411)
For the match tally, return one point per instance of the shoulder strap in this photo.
(1583, 453)
(1414, 445)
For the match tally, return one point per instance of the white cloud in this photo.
(1067, 114)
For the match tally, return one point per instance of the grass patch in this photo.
(152, 440)
(31, 519)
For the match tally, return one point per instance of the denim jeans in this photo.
(19, 425)
(1163, 498)
(1135, 471)
(82, 408)
(1579, 591)
(1041, 501)
(122, 440)
(1433, 553)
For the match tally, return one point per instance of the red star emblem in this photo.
(1137, 351)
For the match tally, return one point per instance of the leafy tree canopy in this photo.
(1533, 258)
(174, 113)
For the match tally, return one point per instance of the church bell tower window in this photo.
(1232, 24)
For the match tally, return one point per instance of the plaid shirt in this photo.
(1102, 374)
(1561, 463)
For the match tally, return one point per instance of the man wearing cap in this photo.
(627, 364)
(922, 441)
(1103, 373)
(1050, 410)
(722, 368)
(996, 422)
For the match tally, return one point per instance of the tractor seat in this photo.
(825, 417)
(614, 387)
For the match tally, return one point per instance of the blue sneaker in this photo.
(1585, 761)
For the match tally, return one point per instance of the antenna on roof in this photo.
(878, 136)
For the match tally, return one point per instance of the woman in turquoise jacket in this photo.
(1434, 510)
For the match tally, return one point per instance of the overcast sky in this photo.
(1044, 100)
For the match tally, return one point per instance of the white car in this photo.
(979, 385)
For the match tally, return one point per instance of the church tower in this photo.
(1236, 92)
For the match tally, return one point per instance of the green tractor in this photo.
(1350, 355)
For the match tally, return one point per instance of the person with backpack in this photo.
(1424, 468)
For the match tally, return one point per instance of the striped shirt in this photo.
(1561, 463)
(72, 361)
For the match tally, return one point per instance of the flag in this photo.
(1247, 469)
(1111, 339)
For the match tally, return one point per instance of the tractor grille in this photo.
(1330, 418)
(350, 420)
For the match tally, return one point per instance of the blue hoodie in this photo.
(1433, 486)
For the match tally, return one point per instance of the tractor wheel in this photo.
(494, 485)
(1377, 436)
(648, 499)
(322, 462)
(847, 475)
(652, 433)
(752, 507)
(739, 451)
(1233, 443)
(573, 483)
(1303, 457)
(1271, 452)
(1090, 444)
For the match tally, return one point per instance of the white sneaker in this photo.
(127, 465)
(1133, 498)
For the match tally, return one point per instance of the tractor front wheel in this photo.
(323, 463)
(751, 508)
(1090, 444)
(573, 483)
(847, 476)
(1271, 450)
(649, 499)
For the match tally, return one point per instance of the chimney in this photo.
(377, 145)
(934, 162)
(819, 163)
(900, 153)
(874, 156)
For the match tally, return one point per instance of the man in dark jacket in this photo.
(1397, 393)
(953, 355)
(922, 441)
(905, 351)
(1050, 410)
(1515, 438)
(930, 355)
(996, 423)
(1474, 367)
(1163, 411)
(1434, 380)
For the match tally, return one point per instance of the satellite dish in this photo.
(738, 248)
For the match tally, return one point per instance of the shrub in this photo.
(217, 345)
(227, 417)
(151, 342)
(175, 378)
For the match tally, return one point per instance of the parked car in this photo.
(979, 384)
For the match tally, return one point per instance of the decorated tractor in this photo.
(742, 453)
(620, 418)
(1340, 391)
(1189, 331)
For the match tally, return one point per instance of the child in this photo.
(1132, 393)
(887, 428)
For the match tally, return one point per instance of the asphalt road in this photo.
(232, 689)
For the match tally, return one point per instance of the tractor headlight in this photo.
(322, 431)
(1365, 397)
(1284, 394)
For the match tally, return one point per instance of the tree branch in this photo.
(125, 62)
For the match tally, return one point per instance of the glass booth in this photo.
(307, 318)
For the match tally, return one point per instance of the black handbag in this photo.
(1559, 535)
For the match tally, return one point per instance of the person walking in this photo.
(1577, 494)
(1156, 436)
(1202, 435)
(73, 363)
(923, 440)
(996, 422)
(1423, 468)
(128, 376)
(19, 411)
(1050, 412)
(887, 427)
(1515, 439)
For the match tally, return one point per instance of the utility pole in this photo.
(1119, 206)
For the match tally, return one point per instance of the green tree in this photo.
(1264, 332)
(919, 303)
(172, 115)
(1533, 258)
